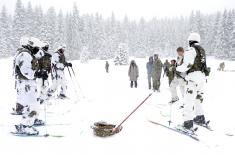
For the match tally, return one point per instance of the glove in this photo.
(69, 64)
(44, 75)
(41, 74)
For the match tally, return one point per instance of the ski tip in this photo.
(229, 134)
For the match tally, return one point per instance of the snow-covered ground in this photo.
(108, 97)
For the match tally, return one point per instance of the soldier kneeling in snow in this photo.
(58, 63)
(26, 70)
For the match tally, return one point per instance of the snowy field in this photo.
(108, 97)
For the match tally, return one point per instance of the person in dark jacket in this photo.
(133, 73)
(149, 67)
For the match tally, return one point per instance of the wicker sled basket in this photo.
(103, 129)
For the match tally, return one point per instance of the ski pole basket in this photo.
(103, 129)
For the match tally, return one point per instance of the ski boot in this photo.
(38, 122)
(174, 100)
(201, 121)
(18, 110)
(25, 130)
(62, 96)
(187, 127)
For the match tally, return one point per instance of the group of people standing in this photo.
(32, 66)
(188, 72)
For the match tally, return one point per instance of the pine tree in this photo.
(49, 28)
(225, 35)
(233, 35)
(122, 55)
(39, 26)
(4, 33)
(30, 21)
(75, 33)
(84, 57)
(60, 30)
(18, 24)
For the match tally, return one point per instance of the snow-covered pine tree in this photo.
(4, 33)
(30, 21)
(84, 56)
(122, 55)
(76, 30)
(18, 27)
(217, 32)
(39, 23)
(50, 27)
(233, 36)
(225, 35)
(60, 30)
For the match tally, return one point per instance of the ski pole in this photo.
(45, 119)
(72, 81)
(170, 115)
(77, 83)
(118, 126)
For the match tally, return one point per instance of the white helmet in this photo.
(24, 41)
(194, 37)
(61, 47)
(35, 42)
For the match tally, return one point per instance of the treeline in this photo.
(102, 36)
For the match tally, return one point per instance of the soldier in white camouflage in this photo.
(27, 70)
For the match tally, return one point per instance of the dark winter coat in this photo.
(157, 69)
(133, 72)
(149, 67)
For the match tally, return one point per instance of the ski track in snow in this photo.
(108, 97)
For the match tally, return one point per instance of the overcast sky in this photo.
(135, 9)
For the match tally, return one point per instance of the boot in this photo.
(26, 130)
(150, 86)
(19, 109)
(135, 84)
(131, 84)
(38, 122)
(188, 124)
(200, 119)
(62, 96)
(174, 100)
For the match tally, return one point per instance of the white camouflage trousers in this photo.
(42, 89)
(27, 96)
(193, 98)
(177, 82)
(59, 82)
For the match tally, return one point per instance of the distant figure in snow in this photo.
(58, 63)
(149, 67)
(107, 67)
(133, 73)
(221, 66)
(170, 72)
(157, 72)
(166, 66)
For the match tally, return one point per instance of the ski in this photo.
(206, 126)
(178, 130)
(36, 135)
